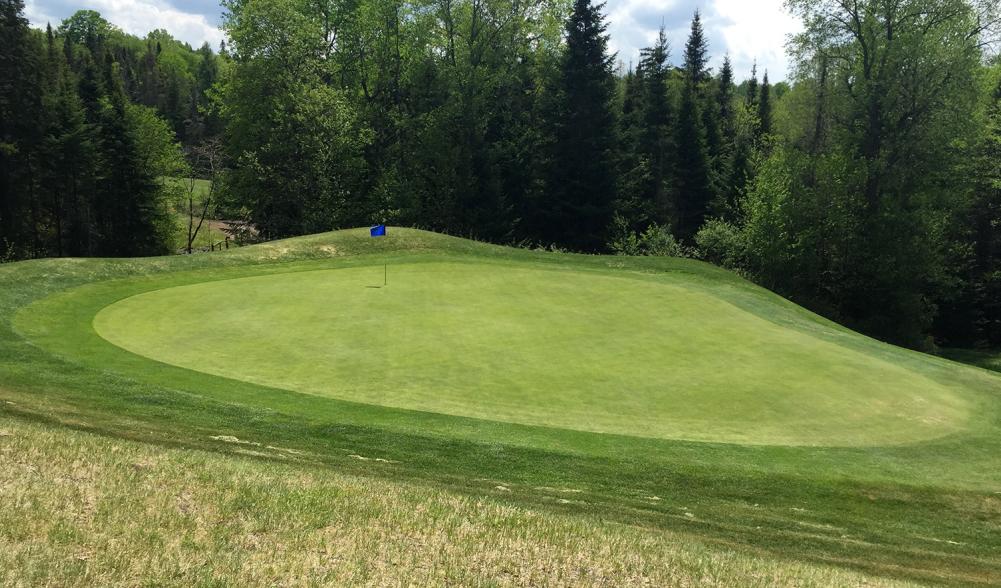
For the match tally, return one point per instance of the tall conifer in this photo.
(693, 185)
(764, 108)
(582, 179)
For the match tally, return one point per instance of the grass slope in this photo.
(987, 359)
(919, 501)
(71, 502)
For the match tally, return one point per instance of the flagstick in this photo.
(385, 274)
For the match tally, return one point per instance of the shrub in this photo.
(722, 243)
(656, 240)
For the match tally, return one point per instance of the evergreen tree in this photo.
(764, 108)
(130, 216)
(724, 100)
(13, 31)
(726, 157)
(751, 97)
(692, 180)
(71, 172)
(20, 112)
(656, 142)
(582, 179)
(632, 165)
(696, 58)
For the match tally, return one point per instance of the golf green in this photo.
(611, 352)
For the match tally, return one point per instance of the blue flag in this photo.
(378, 231)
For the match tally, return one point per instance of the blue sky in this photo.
(748, 29)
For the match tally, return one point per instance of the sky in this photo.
(749, 30)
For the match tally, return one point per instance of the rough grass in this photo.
(79, 509)
(928, 511)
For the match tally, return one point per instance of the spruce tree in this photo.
(723, 163)
(17, 62)
(696, 54)
(632, 166)
(751, 98)
(724, 100)
(128, 215)
(581, 179)
(656, 142)
(692, 179)
(764, 108)
(70, 163)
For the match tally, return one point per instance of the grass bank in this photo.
(923, 509)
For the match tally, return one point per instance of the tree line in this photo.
(868, 189)
(89, 124)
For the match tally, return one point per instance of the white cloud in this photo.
(38, 16)
(757, 30)
(139, 17)
(748, 30)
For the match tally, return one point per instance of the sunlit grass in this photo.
(602, 351)
(80, 509)
(924, 510)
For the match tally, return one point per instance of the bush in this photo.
(722, 243)
(656, 240)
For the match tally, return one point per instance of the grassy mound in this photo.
(594, 350)
(661, 393)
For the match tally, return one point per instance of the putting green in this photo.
(586, 350)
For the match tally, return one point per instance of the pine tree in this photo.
(692, 180)
(764, 108)
(632, 165)
(15, 63)
(70, 163)
(696, 54)
(751, 99)
(724, 99)
(127, 215)
(656, 142)
(581, 179)
(726, 158)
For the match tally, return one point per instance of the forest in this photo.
(867, 187)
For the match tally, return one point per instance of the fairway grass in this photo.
(597, 351)
(270, 411)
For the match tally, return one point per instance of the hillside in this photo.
(649, 410)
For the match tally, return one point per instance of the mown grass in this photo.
(989, 359)
(926, 511)
(598, 350)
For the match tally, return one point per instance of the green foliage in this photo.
(655, 240)
(86, 26)
(85, 160)
(722, 244)
(498, 119)
(894, 85)
(696, 137)
(765, 108)
(971, 314)
(580, 179)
